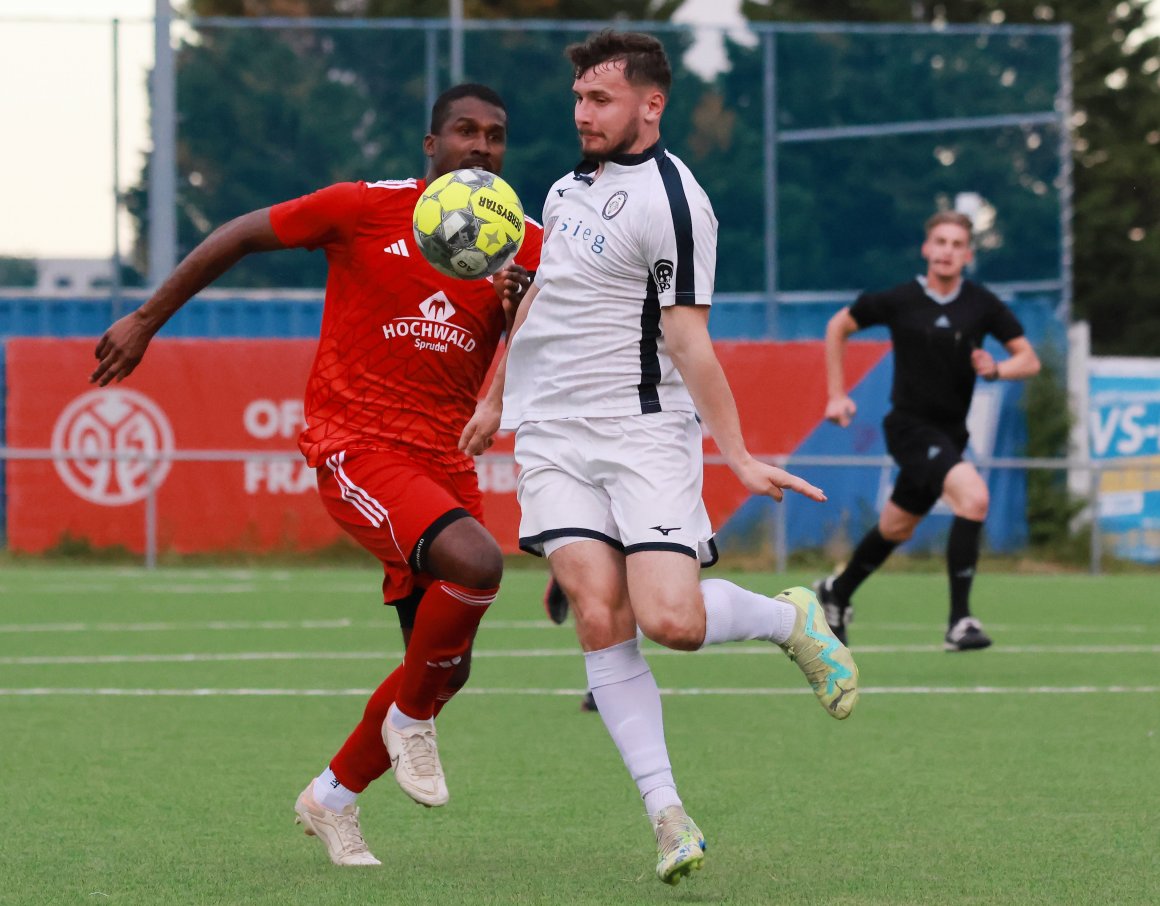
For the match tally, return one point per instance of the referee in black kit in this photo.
(937, 324)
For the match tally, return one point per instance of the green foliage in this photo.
(1116, 134)
(17, 272)
(1050, 507)
(269, 115)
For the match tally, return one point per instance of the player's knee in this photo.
(481, 566)
(974, 504)
(486, 570)
(897, 533)
(674, 631)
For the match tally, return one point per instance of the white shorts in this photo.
(633, 482)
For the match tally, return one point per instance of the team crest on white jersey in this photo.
(614, 204)
(434, 330)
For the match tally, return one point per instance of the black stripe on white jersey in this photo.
(650, 363)
(686, 280)
(650, 315)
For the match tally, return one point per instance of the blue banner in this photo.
(1123, 424)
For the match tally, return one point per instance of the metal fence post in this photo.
(769, 89)
(1097, 541)
(781, 536)
(150, 513)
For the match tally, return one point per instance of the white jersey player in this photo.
(609, 365)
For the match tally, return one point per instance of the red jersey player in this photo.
(402, 356)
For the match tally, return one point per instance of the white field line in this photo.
(363, 693)
(489, 624)
(761, 650)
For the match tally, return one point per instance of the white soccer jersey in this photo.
(639, 237)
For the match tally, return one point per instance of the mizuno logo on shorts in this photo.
(664, 531)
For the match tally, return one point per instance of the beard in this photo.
(613, 149)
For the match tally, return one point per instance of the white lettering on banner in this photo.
(278, 477)
(265, 419)
(497, 476)
(1122, 424)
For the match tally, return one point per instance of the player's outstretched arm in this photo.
(840, 409)
(686, 332)
(123, 345)
(479, 432)
(1023, 362)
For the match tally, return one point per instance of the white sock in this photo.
(331, 794)
(630, 705)
(734, 614)
(660, 798)
(401, 721)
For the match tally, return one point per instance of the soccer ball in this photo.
(469, 224)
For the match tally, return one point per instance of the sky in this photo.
(56, 180)
(56, 163)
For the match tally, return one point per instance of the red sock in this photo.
(445, 626)
(363, 757)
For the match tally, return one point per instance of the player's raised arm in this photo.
(840, 409)
(123, 345)
(686, 332)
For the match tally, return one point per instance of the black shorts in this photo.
(925, 452)
(407, 607)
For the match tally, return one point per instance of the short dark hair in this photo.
(441, 110)
(645, 60)
(956, 217)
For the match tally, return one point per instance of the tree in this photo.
(269, 114)
(17, 272)
(1116, 131)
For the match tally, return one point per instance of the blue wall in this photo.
(220, 314)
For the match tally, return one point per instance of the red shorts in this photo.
(387, 502)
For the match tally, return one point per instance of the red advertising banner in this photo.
(246, 395)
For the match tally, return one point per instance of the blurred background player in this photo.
(383, 415)
(937, 325)
(610, 362)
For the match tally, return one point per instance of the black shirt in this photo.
(933, 377)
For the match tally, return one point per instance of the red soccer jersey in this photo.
(404, 350)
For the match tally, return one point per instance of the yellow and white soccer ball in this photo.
(469, 224)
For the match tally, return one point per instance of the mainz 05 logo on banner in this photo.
(108, 438)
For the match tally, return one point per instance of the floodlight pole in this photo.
(1064, 108)
(163, 160)
(115, 277)
(771, 139)
(455, 14)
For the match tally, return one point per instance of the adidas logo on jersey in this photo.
(398, 247)
(942, 321)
